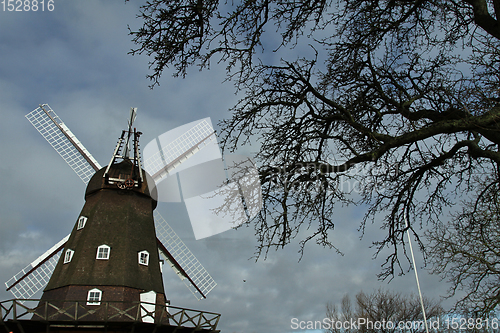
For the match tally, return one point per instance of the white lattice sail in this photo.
(65, 143)
(198, 280)
(170, 156)
(36, 275)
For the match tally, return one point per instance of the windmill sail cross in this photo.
(36, 275)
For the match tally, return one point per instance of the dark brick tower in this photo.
(112, 253)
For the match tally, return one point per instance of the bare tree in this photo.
(345, 315)
(398, 97)
(383, 311)
(466, 252)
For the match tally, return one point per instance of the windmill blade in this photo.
(181, 273)
(170, 156)
(185, 264)
(58, 135)
(133, 115)
(36, 275)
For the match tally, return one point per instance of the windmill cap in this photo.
(122, 170)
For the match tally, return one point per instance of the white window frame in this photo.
(68, 255)
(106, 252)
(96, 297)
(140, 258)
(82, 220)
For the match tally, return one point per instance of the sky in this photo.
(75, 58)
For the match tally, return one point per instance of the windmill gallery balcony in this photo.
(31, 316)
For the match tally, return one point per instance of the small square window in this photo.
(81, 222)
(144, 258)
(103, 252)
(94, 297)
(68, 255)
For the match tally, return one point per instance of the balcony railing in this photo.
(80, 312)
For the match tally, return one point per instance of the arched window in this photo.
(81, 222)
(103, 252)
(143, 258)
(94, 297)
(68, 255)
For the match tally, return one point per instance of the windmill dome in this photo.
(123, 170)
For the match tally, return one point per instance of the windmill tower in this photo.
(109, 268)
(112, 252)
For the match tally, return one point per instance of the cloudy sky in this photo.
(75, 59)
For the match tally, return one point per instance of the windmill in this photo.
(121, 175)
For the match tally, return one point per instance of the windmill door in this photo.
(148, 301)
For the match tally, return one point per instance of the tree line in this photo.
(385, 311)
